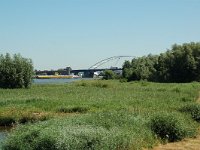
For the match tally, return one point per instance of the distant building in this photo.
(66, 71)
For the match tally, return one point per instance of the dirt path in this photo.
(186, 144)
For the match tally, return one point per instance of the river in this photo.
(57, 81)
(54, 81)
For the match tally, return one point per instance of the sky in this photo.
(78, 33)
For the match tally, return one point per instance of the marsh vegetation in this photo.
(99, 114)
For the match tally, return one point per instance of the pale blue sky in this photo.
(78, 33)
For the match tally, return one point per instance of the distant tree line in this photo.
(180, 64)
(15, 72)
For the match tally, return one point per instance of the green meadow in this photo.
(99, 114)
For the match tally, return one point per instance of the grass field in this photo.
(98, 115)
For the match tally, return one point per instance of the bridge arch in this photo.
(100, 63)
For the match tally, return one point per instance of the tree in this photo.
(142, 68)
(15, 72)
(108, 74)
(180, 64)
(127, 70)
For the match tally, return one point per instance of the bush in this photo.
(170, 127)
(27, 141)
(15, 72)
(45, 142)
(57, 135)
(109, 74)
(193, 110)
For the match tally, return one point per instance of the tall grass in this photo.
(96, 114)
(98, 131)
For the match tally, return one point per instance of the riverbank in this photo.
(90, 113)
(57, 77)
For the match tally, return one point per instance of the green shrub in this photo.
(6, 121)
(170, 127)
(45, 142)
(31, 139)
(109, 74)
(77, 109)
(193, 110)
(60, 136)
(15, 72)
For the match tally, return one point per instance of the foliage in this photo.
(82, 132)
(171, 127)
(193, 110)
(109, 74)
(15, 72)
(117, 118)
(65, 137)
(180, 64)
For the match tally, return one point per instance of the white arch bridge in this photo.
(96, 67)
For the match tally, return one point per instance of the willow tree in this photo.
(180, 64)
(15, 71)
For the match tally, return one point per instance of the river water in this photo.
(57, 81)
